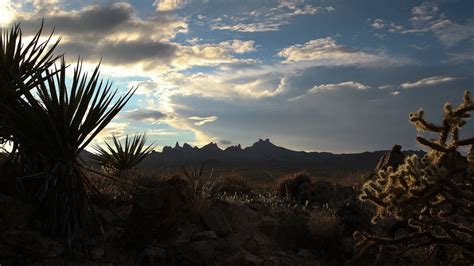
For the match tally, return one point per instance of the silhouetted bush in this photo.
(289, 186)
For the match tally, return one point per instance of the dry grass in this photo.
(232, 183)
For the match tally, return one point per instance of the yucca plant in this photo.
(118, 158)
(19, 65)
(52, 127)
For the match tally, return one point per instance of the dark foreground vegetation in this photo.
(55, 209)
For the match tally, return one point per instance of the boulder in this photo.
(156, 214)
(14, 213)
(205, 235)
(392, 158)
(29, 244)
(216, 221)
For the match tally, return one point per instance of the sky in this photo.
(323, 75)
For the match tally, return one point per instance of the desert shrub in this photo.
(292, 231)
(110, 193)
(120, 159)
(326, 233)
(202, 184)
(289, 186)
(232, 183)
(433, 195)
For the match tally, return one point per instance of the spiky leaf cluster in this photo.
(19, 64)
(120, 158)
(51, 120)
(434, 194)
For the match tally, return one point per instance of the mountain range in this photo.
(262, 156)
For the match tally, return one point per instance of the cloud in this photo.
(426, 18)
(203, 120)
(384, 87)
(348, 85)
(424, 12)
(112, 129)
(427, 82)
(327, 52)
(451, 33)
(160, 132)
(159, 56)
(268, 18)
(249, 84)
(461, 56)
(147, 115)
(395, 93)
(169, 5)
(112, 22)
(225, 142)
(344, 85)
(378, 23)
(7, 12)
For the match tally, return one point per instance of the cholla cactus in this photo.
(434, 194)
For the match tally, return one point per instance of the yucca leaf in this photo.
(121, 157)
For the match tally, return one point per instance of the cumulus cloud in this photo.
(427, 82)
(348, 85)
(117, 34)
(112, 129)
(378, 23)
(169, 5)
(248, 85)
(200, 121)
(326, 51)
(114, 22)
(344, 85)
(424, 12)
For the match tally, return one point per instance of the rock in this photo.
(31, 244)
(205, 235)
(392, 158)
(14, 213)
(217, 221)
(251, 245)
(250, 259)
(305, 253)
(240, 217)
(97, 253)
(154, 256)
(156, 214)
(245, 258)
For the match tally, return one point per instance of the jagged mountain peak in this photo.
(187, 146)
(234, 148)
(211, 146)
(262, 142)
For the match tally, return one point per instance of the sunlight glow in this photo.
(7, 12)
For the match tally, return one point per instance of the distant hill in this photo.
(262, 157)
